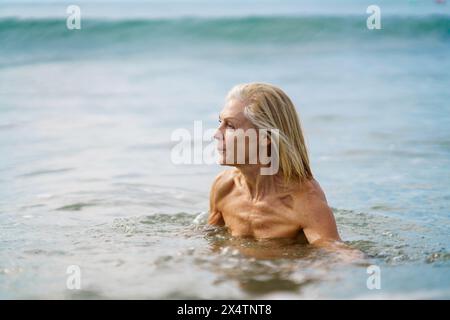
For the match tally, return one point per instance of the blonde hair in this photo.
(268, 107)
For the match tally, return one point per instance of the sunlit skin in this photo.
(253, 205)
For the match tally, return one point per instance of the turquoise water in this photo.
(85, 123)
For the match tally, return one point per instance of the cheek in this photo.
(228, 138)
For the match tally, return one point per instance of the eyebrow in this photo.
(227, 118)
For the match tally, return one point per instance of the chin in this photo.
(222, 160)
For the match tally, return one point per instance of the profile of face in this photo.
(239, 142)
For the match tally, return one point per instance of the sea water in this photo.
(86, 117)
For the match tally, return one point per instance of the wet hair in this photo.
(268, 107)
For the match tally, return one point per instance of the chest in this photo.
(268, 218)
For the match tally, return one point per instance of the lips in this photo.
(220, 147)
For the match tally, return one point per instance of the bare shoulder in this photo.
(310, 195)
(314, 213)
(223, 182)
(221, 187)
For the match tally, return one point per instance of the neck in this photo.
(257, 184)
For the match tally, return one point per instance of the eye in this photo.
(229, 125)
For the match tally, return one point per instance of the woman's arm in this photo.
(319, 227)
(217, 193)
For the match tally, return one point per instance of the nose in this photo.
(218, 135)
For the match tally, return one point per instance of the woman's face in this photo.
(237, 137)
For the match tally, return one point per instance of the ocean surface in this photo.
(87, 178)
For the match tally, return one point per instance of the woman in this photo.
(286, 204)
